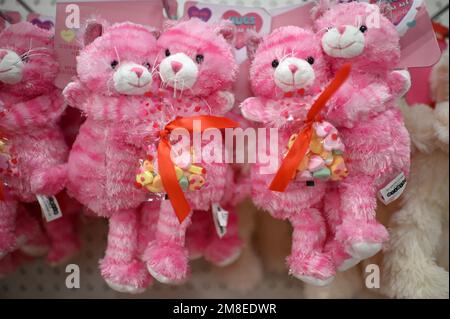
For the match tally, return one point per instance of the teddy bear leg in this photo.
(332, 208)
(307, 261)
(8, 216)
(120, 268)
(226, 250)
(64, 240)
(167, 257)
(31, 239)
(198, 234)
(360, 233)
(148, 220)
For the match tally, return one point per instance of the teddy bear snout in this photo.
(293, 74)
(10, 67)
(344, 41)
(179, 71)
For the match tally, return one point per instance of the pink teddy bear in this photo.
(30, 108)
(287, 73)
(365, 113)
(115, 71)
(197, 68)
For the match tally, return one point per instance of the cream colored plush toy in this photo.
(419, 231)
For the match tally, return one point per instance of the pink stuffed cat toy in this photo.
(115, 71)
(364, 110)
(196, 67)
(30, 108)
(287, 73)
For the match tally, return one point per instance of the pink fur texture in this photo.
(197, 67)
(115, 70)
(364, 110)
(288, 71)
(30, 109)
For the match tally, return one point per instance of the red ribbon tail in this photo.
(291, 161)
(170, 181)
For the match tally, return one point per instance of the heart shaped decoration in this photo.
(244, 23)
(68, 35)
(46, 25)
(203, 14)
(395, 11)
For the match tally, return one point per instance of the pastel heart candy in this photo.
(184, 183)
(324, 174)
(316, 163)
(333, 142)
(196, 182)
(68, 35)
(323, 129)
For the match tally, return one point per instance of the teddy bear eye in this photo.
(114, 64)
(311, 60)
(25, 58)
(167, 52)
(199, 58)
(147, 65)
(363, 29)
(275, 63)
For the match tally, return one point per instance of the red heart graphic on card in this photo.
(395, 11)
(244, 23)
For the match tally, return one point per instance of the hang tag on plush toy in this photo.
(325, 158)
(50, 207)
(393, 190)
(220, 217)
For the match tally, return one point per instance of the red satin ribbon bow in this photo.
(303, 141)
(166, 166)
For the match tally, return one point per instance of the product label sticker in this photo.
(220, 217)
(49, 207)
(244, 18)
(393, 190)
(71, 16)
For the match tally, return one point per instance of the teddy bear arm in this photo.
(75, 94)
(221, 102)
(399, 82)
(253, 109)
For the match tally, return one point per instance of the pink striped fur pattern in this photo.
(372, 127)
(287, 73)
(30, 108)
(116, 68)
(197, 69)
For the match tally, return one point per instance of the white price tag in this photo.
(220, 217)
(50, 207)
(393, 190)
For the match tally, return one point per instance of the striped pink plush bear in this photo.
(287, 73)
(115, 71)
(30, 108)
(197, 68)
(365, 112)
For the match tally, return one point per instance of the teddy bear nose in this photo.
(138, 71)
(341, 29)
(3, 53)
(293, 68)
(176, 66)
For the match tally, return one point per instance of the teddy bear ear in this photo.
(227, 30)
(321, 7)
(253, 42)
(93, 30)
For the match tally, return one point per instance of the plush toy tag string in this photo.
(300, 147)
(166, 166)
